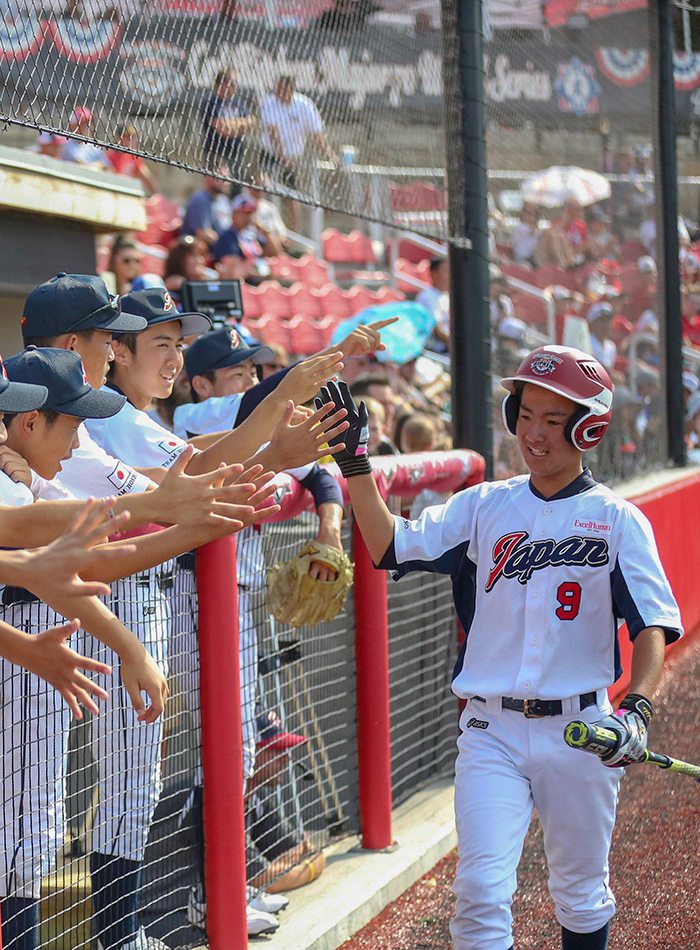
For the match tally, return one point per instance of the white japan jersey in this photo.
(14, 494)
(133, 436)
(91, 473)
(216, 414)
(540, 584)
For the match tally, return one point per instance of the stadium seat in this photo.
(274, 299)
(251, 301)
(388, 294)
(153, 259)
(530, 309)
(359, 298)
(311, 271)
(334, 301)
(284, 267)
(305, 336)
(305, 299)
(272, 330)
(352, 248)
(419, 271)
(164, 221)
(550, 274)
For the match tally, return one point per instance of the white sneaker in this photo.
(260, 923)
(143, 942)
(197, 908)
(269, 903)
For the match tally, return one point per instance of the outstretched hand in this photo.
(364, 340)
(293, 445)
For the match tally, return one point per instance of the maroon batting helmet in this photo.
(573, 374)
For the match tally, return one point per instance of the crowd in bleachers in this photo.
(585, 276)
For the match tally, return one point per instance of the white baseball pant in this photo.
(35, 723)
(128, 752)
(507, 764)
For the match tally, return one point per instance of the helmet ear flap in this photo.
(510, 408)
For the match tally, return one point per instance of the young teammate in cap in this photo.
(34, 720)
(543, 567)
(146, 366)
(222, 370)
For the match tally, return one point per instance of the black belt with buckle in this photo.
(538, 708)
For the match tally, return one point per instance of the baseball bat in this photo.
(596, 739)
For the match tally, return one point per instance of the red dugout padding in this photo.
(668, 509)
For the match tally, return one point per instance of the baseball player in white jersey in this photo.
(145, 367)
(35, 722)
(76, 312)
(543, 568)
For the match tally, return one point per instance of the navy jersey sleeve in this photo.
(641, 592)
(323, 487)
(253, 397)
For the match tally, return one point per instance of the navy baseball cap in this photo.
(271, 735)
(155, 305)
(69, 303)
(222, 348)
(19, 397)
(62, 373)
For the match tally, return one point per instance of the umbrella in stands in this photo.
(405, 340)
(552, 186)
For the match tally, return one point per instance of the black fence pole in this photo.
(661, 43)
(468, 209)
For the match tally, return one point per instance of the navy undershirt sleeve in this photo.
(323, 487)
(255, 396)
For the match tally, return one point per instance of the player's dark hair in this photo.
(435, 263)
(50, 415)
(52, 340)
(361, 386)
(209, 374)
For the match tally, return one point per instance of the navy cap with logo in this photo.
(71, 303)
(156, 305)
(19, 397)
(271, 735)
(220, 349)
(63, 374)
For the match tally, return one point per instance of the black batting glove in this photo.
(353, 459)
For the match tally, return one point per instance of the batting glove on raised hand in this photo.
(353, 459)
(629, 723)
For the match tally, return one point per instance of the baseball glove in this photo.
(296, 598)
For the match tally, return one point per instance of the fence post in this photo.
(373, 725)
(222, 748)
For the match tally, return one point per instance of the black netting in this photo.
(363, 79)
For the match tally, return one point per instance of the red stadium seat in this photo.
(311, 271)
(389, 294)
(305, 299)
(274, 299)
(284, 267)
(305, 336)
(529, 309)
(272, 330)
(419, 271)
(360, 298)
(334, 301)
(163, 221)
(251, 301)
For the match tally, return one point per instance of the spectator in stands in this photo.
(691, 384)
(50, 144)
(279, 360)
(647, 233)
(379, 443)
(526, 235)
(436, 299)
(553, 247)
(417, 434)
(246, 242)
(267, 215)
(83, 153)
(125, 268)
(124, 163)
(379, 388)
(692, 422)
(278, 857)
(288, 121)
(599, 318)
(501, 306)
(572, 222)
(186, 261)
(642, 295)
(628, 198)
(208, 210)
(601, 242)
(226, 123)
(567, 303)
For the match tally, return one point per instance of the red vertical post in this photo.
(373, 724)
(222, 745)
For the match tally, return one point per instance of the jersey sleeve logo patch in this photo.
(122, 477)
(515, 556)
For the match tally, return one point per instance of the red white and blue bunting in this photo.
(624, 67)
(84, 42)
(20, 38)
